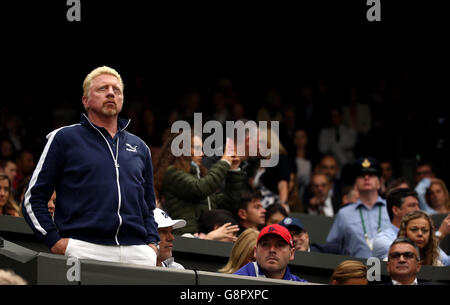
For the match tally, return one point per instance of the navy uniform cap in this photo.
(367, 165)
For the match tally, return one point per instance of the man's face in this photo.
(273, 253)
(166, 243)
(367, 182)
(409, 204)
(4, 192)
(329, 167)
(423, 171)
(320, 186)
(255, 213)
(405, 264)
(27, 163)
(11, 170)
(301, 240)
(105, 97)
(386, 169)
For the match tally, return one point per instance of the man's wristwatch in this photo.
(156, 244)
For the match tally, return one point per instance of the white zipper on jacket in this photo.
(116, 165)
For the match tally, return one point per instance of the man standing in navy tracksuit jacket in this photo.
(103, 179)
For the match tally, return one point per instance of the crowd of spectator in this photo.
(327, 133)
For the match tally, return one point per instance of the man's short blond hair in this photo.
(8, 277)
(96, 72)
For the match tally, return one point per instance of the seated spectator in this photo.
(275, 213)
(294, 201)
(303, 165)
(349, 272)
(243, 251)
(424, 174)
(321, 202)
(217, 225)
(166, 225)
(186, 188)
(25, 166)
(273, 182)
(399, 203)
(7, 204)
(301, 238)
(273, 251)
(328, 165)
(8, 277)
(8, 167)
(397, 183)
(338, 139)
(387, 174)
(357, 224)
(350, 194)
(419, 227)
(424, 169)
(251, 213)
(404, 262)
(438, 197)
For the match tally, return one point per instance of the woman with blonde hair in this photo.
(438, 197)
(419, 227)
(242, 252)
(349, 272)
(7, 204)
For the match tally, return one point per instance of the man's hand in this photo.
(316, 202)
(60, 246)
(445, 226)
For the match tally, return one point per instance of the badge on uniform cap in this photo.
(366, 163)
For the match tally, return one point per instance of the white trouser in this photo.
(139, 255)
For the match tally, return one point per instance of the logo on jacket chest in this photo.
(131, 148)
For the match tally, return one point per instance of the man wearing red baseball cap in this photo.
(273, 251)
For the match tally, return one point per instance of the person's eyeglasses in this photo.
(406, 255)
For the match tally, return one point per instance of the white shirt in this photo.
(394, 282)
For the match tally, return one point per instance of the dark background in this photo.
(175, 48)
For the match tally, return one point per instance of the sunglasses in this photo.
(406, 255)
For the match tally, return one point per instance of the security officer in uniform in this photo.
(357, 224)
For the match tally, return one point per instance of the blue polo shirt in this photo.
(348, 230)
(253, 269)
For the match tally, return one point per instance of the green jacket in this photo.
(186, 195)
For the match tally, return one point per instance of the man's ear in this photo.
(84, 101)
(242, 214)
(419, 266)
(395, 210)
(291, 258)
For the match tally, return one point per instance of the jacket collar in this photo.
(121, 122)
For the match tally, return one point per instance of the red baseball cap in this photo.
(278, 230)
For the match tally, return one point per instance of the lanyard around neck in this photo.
(364, 225)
